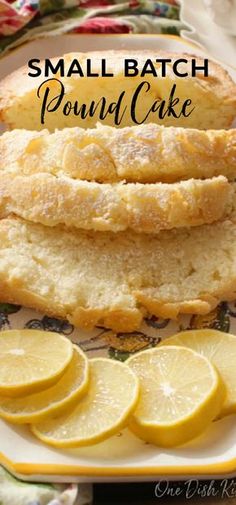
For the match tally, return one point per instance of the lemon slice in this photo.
(70, 387)
(31, 359)
(111, 398)
(220, 349)
(181, 393)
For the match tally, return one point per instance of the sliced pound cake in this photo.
(146, 153)
(96, 278)
(52, 200)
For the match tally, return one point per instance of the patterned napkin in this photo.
(16, 492)
(24, 20)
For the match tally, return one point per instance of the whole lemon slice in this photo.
(31, 359)
(70, 387)
(220, 349)
(111, 398)
(181, 393)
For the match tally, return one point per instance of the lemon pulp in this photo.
(181, 393)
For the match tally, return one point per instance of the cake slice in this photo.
(96, 278)
(146, 153)
(211, 99)
(49, 200)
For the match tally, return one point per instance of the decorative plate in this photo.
(123, 457)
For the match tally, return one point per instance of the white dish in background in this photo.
(203, 31)
(123, 457)
(223, 14)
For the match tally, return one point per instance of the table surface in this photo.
(144, 494)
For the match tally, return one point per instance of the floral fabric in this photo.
(23, 20)
(16, 492)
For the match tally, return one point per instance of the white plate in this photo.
(123, 457)
(54, 46)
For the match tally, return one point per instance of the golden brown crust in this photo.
(148, 208)
(146, 153)
(215, 95)
(125, 320)
(116, 279)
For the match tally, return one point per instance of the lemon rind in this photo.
(122, 422)
(57, 408)
(33, 386)
(186, 428)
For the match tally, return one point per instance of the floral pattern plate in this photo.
(123, 457)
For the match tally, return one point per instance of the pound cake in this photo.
(52, 200)
(116, 279)
(24, 103)
(145, 153)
